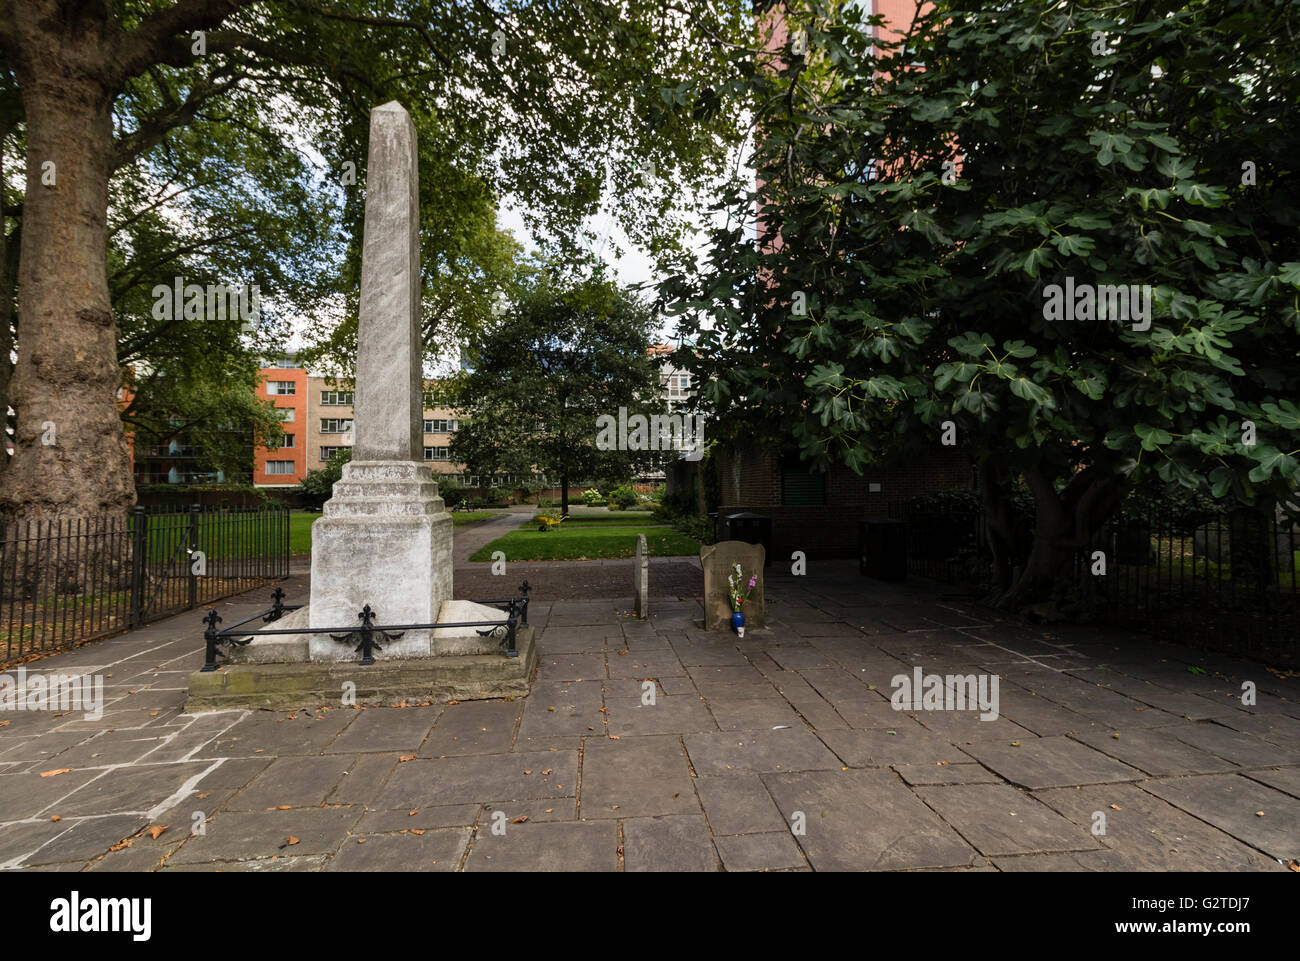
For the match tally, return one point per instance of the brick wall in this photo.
(751, 481)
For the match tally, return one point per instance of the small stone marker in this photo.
(641, 579)
(718, 561)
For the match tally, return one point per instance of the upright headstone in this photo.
(719, 562)
(385, 537)
(641, 579)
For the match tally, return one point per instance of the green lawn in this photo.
(300, 527)
(616, 519)
(582, 542)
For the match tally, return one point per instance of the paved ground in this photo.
(780, 751)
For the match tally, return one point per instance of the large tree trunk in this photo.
(564, 493)
(1065, 523)
(6, 337)
(70, 456)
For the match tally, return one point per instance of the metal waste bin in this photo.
(752, 529)
(882, 548)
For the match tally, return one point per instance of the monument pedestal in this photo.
(385, 537)
(279, 686)
(384, 540)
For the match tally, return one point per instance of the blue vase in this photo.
(738, 622)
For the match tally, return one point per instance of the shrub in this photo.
(496, 497)
(451, 493)
(592, 497)
(692, 525)
(621, 498)
(318, 486)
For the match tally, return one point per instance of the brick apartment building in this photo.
(317, 422)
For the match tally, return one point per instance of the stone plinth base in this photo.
(385, 540)
(286, 687)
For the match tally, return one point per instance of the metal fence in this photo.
(1228, 583)
(63, 582)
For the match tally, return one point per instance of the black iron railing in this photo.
(68, 581)
(1229, 582)
(369, 636)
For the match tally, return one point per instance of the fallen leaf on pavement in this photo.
(156, 830)
(56, 771)
(292, 839)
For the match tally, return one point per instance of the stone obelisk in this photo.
(385, 537)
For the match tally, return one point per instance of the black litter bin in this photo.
(752, 529)
(882, 548)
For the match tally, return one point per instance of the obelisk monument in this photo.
(385, 537)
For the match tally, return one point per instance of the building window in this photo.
(327, 452)
(435, 453)
(279, 467)
(801, 487)
(281, 388)
(335, 425)
(431, 399)
(336, 398)
(286, 441)
(439, 426)
(287, 414)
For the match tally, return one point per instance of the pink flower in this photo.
(753, 580)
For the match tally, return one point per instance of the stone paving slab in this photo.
(427, 782)
(1051, 762)
(1254, 813)
(758, 752)
(235, 836)
(678, 843)
(431, 851)
(636, 777)
(1146, 833)
(1286, 780)
(401, 730)
(774, 851)
(553, 846)
(865, 821)
(1244, 749)
(896, 745)
(1000, 820)
(738, 805)
(1158, 752)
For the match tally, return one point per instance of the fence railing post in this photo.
(139, 564)
(195, 511)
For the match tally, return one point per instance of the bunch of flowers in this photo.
(739, 590)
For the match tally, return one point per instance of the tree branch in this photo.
(158, 38)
